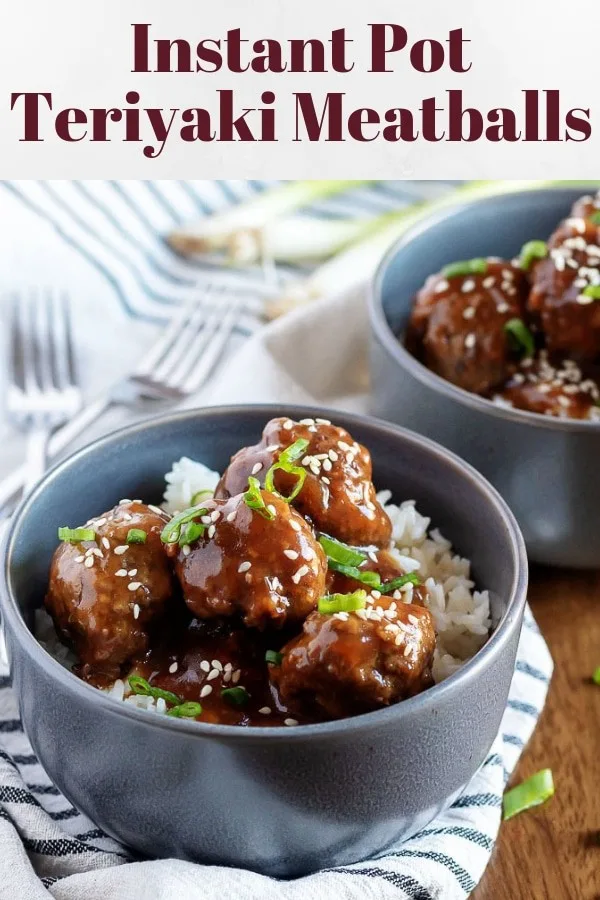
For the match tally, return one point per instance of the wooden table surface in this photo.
(553, 852)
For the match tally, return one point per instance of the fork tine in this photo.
(61, 340)
(186, 338)
(28, 342)
(160, 351)
(216, 345)
(16, 349)
(190, 355)
(41, 313)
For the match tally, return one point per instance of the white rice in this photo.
(186, 478)
(461, 614)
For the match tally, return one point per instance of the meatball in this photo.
(569, 318)
(560, 390)
(271, 569)
(104, 594)
(457, 325)
(337, 496)
(350, 663)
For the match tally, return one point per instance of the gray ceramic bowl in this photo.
(546, 469)
(282, 801)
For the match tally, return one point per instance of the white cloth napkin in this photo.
(47, 847)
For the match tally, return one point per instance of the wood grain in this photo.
(553, 852)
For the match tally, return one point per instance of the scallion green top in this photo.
(533, 792)
(476, 266)
(75, 535)
(531, 251)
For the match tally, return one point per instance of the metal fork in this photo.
(175, 367)
(42, 391)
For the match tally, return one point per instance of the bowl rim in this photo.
(468, 673)
(383, 330)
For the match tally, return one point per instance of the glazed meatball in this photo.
(338, 495)
(350, 663)
(104, 594)
(457, 325)
(271, 570)
(560, 390)
(568, 317)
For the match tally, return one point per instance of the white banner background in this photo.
(83, 55)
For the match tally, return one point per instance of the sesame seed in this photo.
(291, 554)
(441, 286)
(218, 665)
(468, 286)
(227, 677)
(470, 341)
(173, 667)
(243, 567)
(211, 531)
(231, 516)
(413, 619)
(235, 676)
(134, 585)
(128, 517)
(95, 551)
(307, 421)
(186, 549)
(214, 516)
(228, 667)
(489, 282)
(302, 571)
(288, 424)
(123, 502)
(265, 710)
(309, 553)
(584, 300)
(155, 509)
(206, 520)
(295, 525)
(106, 543)
(136, 610)
(100, 522)
(256, 468)
(132, 573)
(121, 550)
(325, 480)
(161, 706)
(398, 639)
(248, 578)
(327, 465)
(407, 650)
(333, 456)
(214, 673)
(271, 509)
(469, 312)
(121, 573)
(502, 308)
(376, 594)
(205, 665)
(206, 690)
(272, 448)
(79, 559)
(89, 562)
(290, 722)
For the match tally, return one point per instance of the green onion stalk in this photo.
(240, 231)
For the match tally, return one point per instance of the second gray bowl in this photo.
(546, 469)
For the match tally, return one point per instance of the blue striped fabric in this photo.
(104, 242)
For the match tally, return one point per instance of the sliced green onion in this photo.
(237, 696)
(595, 218)
(531, 251)
(285, 463)
(342, 553)
(533, 792)
(199, 496)
(592, 290)
(273, 657)
(334, 603)
(596, 676)
(139, 685)
(390, 586)
(136, 536)
(185, 710)
(520, 337)
(74, 535)
(191, 532)
(373, 579)
(171, 533)
(254, 499)
(476, 266)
